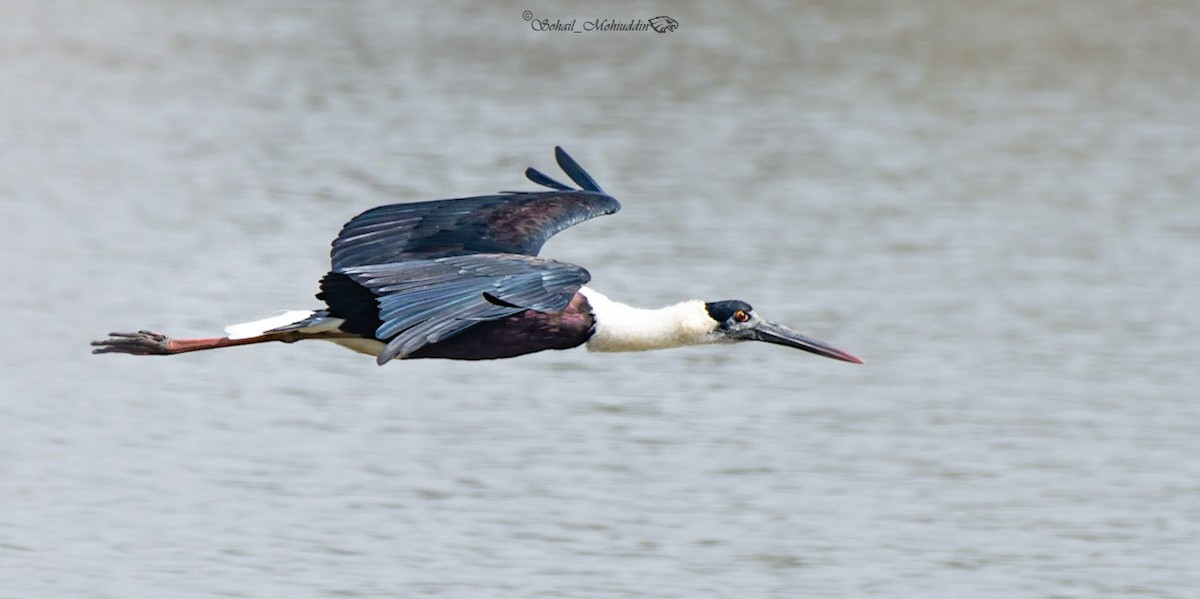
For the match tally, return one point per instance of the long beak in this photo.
(773, 332)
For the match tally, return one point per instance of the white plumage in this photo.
(274, 324)
(620, 327)
(306, 322)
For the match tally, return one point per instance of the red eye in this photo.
(741, 316)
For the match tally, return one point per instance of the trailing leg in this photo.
(149, 343)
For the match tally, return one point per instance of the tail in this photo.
(291, 321)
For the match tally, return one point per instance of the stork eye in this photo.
(741, 316)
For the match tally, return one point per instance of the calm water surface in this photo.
(996, 205)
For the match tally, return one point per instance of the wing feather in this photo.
(507, 223)
(575, 172)
(544, 180)
(424, 301)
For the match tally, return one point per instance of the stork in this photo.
(461, 279)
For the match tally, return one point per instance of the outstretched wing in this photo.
(428, 300)
(506, 223)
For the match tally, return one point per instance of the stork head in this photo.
(735, 320)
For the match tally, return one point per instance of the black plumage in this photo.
(504, 223)
(419, 274)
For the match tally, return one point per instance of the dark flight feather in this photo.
(575, 172)
(428, 300)
(509, 223)
(544, 180)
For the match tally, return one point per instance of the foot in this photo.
(141, 343)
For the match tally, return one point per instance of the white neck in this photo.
(620, 327)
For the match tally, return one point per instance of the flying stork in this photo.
(461, 279)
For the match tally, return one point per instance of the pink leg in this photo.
(149, 343)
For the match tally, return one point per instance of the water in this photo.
(994, 204)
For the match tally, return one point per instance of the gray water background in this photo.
(996, 204)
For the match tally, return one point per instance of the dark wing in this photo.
(424, 301)
(507, 223)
